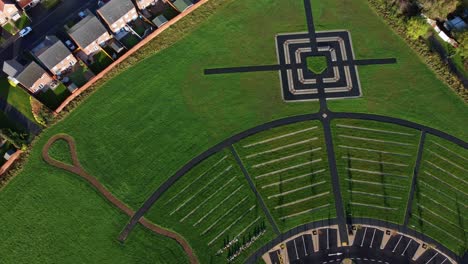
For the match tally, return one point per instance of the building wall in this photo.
(143, 4)
(119, 24)
(10, 10)
(68, 62)
(45, 80)
(94, 47)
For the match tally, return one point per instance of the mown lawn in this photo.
(55, 217)
(17, 97)
(289, 167)
(53, 98)
(213, 204)
(375, 162)
(141, 126)
(439, 205)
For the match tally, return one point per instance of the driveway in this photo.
(44, 23)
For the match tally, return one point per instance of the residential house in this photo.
(54, 55)
(143, 4)
(32, 76)
(25, 4)
(89, 34)
(117, 13)
(8, 11)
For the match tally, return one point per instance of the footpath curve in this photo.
(276, 123)
(76, 168)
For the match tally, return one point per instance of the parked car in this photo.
(82, 14)
(70, 45)
(25, 31)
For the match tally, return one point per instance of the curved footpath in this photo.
(325, 115)
(76, 168)
(276, 123)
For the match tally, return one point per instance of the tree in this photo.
(439, 8)
(416, 28)
(407, 8)
(462, 38)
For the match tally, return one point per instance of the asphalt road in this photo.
(48, 23)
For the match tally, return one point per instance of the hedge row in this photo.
(398, 22)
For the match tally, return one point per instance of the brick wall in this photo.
(129, 53)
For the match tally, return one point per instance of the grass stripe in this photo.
(295, 190)
(375, 150)
(302, 200)
(374, 130)
(376, 173)
(284, 158)
(288, 168)
(292, 179)
(439, 216)
(446, 172)
(279, 137)
(200, 190)
(444, 194)
(207, 199)
(448, 161)
(222, 216)
(373, 206)
(305, 211)
(282, 147)
(375, 194)
(201, 175)
(438, 179)
(375, 161)
(437, 227)
(376, 183)
(449, 150)
(233, 223)
(376, 140)
(218, 205)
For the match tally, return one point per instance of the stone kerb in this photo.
(128, 54)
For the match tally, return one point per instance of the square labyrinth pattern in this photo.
(340, 79)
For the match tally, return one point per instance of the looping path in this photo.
(76, 168)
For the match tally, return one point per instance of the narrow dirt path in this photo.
(76, 168)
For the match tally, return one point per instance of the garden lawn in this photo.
(101, 61)
(144, 124)
(53, 98)
(56, 217)
(16, 97)
(23, 21)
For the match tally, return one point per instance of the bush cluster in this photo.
(399, 22)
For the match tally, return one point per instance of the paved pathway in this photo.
(77, 169)
(254, 189)
(417, 165)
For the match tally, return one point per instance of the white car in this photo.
(25, 31)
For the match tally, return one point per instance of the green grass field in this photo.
(211, 204)
(375, 163)
(17, 97)
(144, 124)
(439, 206)
(55, 217)
(289, 166)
